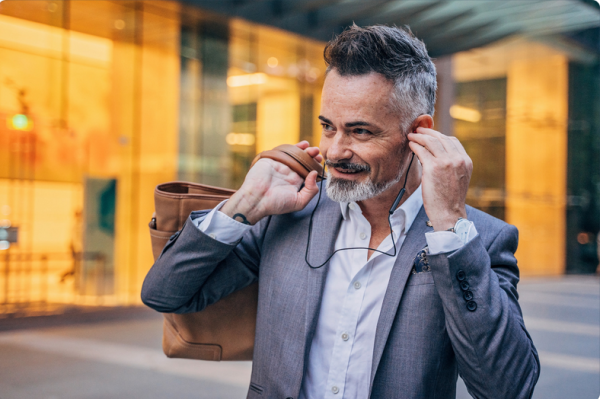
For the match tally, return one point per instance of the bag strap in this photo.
(293, 157)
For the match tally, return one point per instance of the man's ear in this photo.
(422, 121)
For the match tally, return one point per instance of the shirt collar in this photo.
(409, 209)
(344, 206)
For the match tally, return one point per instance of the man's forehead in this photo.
(359, 95)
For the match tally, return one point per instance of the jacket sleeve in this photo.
(195, 270)
(478, 286)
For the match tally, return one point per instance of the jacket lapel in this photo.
(413, 243)
(326, 225)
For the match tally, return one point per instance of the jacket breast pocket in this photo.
(256, 388)
(420, 278)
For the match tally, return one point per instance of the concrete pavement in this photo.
(123, 358)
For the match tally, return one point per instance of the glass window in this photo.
(479, 112)
(100, 101)
(88, 127)
(245, 88)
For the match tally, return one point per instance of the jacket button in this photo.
(460, 275)
(464, 285)
(468, 295)
(471, 306)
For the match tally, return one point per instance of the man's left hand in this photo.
(446, 174)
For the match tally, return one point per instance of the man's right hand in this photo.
(271, 188)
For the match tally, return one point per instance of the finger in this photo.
(309, 190)
(427, 131)
(452, 146)
(443, 139)
(432, 144)
(463, 153)
(459, 146)
(421, 152)
(459, 150)
(314, 152)
(303, 145)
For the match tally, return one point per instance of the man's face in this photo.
(361, 141)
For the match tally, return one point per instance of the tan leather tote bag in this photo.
(224, 330)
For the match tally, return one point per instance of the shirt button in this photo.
(352, 206)
(211, 235)
(460, 275)
(335, 389)
(363, 236)
(357, 285)
(345, 336)
(464, 285)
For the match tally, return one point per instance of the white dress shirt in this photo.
(341, 352)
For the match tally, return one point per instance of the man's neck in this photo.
(376, 210)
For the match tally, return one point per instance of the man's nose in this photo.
(339, 149)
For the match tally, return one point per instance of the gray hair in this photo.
(398, 55)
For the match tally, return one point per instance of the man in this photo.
(434, 298)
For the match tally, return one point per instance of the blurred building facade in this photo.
(102, 100)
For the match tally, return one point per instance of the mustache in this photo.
(356, 167)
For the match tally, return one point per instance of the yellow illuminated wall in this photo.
(278, 120)
(100, 81)
(536, 160)
(536, 144)
(151, 150)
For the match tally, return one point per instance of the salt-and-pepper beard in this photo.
(343, 190)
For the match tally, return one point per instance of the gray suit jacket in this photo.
(425, 335)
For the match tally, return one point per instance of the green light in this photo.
(20, 121)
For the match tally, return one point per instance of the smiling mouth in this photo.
(348, 168)
(348, 171)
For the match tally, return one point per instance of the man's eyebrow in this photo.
(321, 117)
(348, 124)
(358, 123)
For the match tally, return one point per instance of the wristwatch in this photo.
(461, 228)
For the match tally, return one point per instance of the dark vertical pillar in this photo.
(583, 168)
(205, 112)
(216, 113)
(190, 106)
(445, 96)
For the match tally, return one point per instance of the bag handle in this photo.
(293, 157)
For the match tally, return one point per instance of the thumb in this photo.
(309, 190)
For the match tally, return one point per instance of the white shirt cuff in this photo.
(221, 227)
(447, 241)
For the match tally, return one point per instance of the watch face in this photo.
(462, 227)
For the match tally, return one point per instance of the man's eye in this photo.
(361, 131)
(327, 127)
